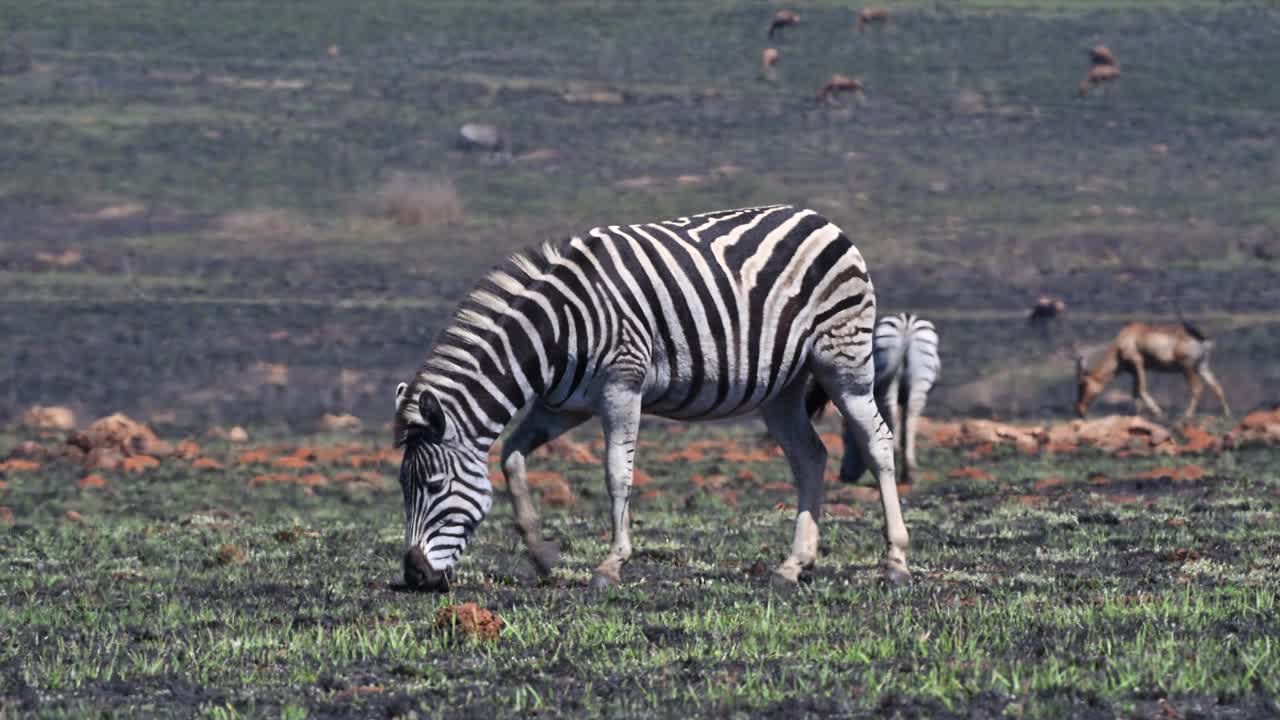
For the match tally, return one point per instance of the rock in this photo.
(480, 136)
(53, 417)
(471, 620)
(93, 481)
(126, 435)
(238, 434)
(103, 458)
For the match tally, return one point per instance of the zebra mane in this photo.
(477, 309)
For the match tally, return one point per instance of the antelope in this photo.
(838, 83)
(1098, 75)
(1045, 309)
(871, 16)
(768, 59)
(1101, 55)
(1160, 348)
(781, 19)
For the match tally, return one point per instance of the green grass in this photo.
(1076, 604)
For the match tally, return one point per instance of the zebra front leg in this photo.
(538, 427)
(792, 428)
(620, 416)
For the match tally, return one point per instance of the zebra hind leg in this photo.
(791, 426)
(847, 375)
(538, 427)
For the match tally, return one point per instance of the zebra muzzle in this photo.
(419, 575)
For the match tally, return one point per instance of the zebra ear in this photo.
(432, 416)
(400, 391)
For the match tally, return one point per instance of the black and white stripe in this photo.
(701, 317)
(907, 367)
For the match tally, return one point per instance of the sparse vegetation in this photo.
(1049, 585)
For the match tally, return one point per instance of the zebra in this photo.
(905, 348)
(700, 317)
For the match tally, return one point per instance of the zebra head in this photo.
(446, 489)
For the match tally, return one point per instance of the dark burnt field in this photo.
(1051, 585)
(183, 185)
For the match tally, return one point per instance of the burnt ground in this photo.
(1063, 585)
(223, 178)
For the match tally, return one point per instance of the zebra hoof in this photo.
(601, 581)
(895, 576)
(545, 555)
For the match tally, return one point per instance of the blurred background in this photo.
(260, 212)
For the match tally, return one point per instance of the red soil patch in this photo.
(310, 480)
(708, 481)
(93, 481)
(971, 473)
(746, 476)
(187, 449)
(1048, 483)
(139, 463)
(1262, 426)
(6, 517)
(205, 463)
(1175, 522)
(982, 451)
(840, 510)
(471, 620)
(556, 491)
(651, 494)
(1184, 473)
(355, 692)
(365, 477)
(19, 465)
(73, 516)
(290, 462)
(756, 455)
(728, 496)
(688, 454)
(640, 478)
(563, 448)
(777, 487)
(1198, 441)
(257, 456)
(1099, 479)
(1182, 555)
(1030, 500)
(4, 485)
(834, 442)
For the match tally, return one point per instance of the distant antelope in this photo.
(1101, 55)
(838, 83)
(872, 16)
(1160, 348)
(1098, 75)
(1045, 309)
(768, 59)
(782, 19)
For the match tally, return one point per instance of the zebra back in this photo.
(889, 348)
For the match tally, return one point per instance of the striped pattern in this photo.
(907, 367)
(700, 317)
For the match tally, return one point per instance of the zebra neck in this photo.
(485, 369)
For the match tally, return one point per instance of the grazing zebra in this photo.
(907, 366)
(700, 317)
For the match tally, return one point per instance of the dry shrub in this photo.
(420, 200)
(471, 620)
